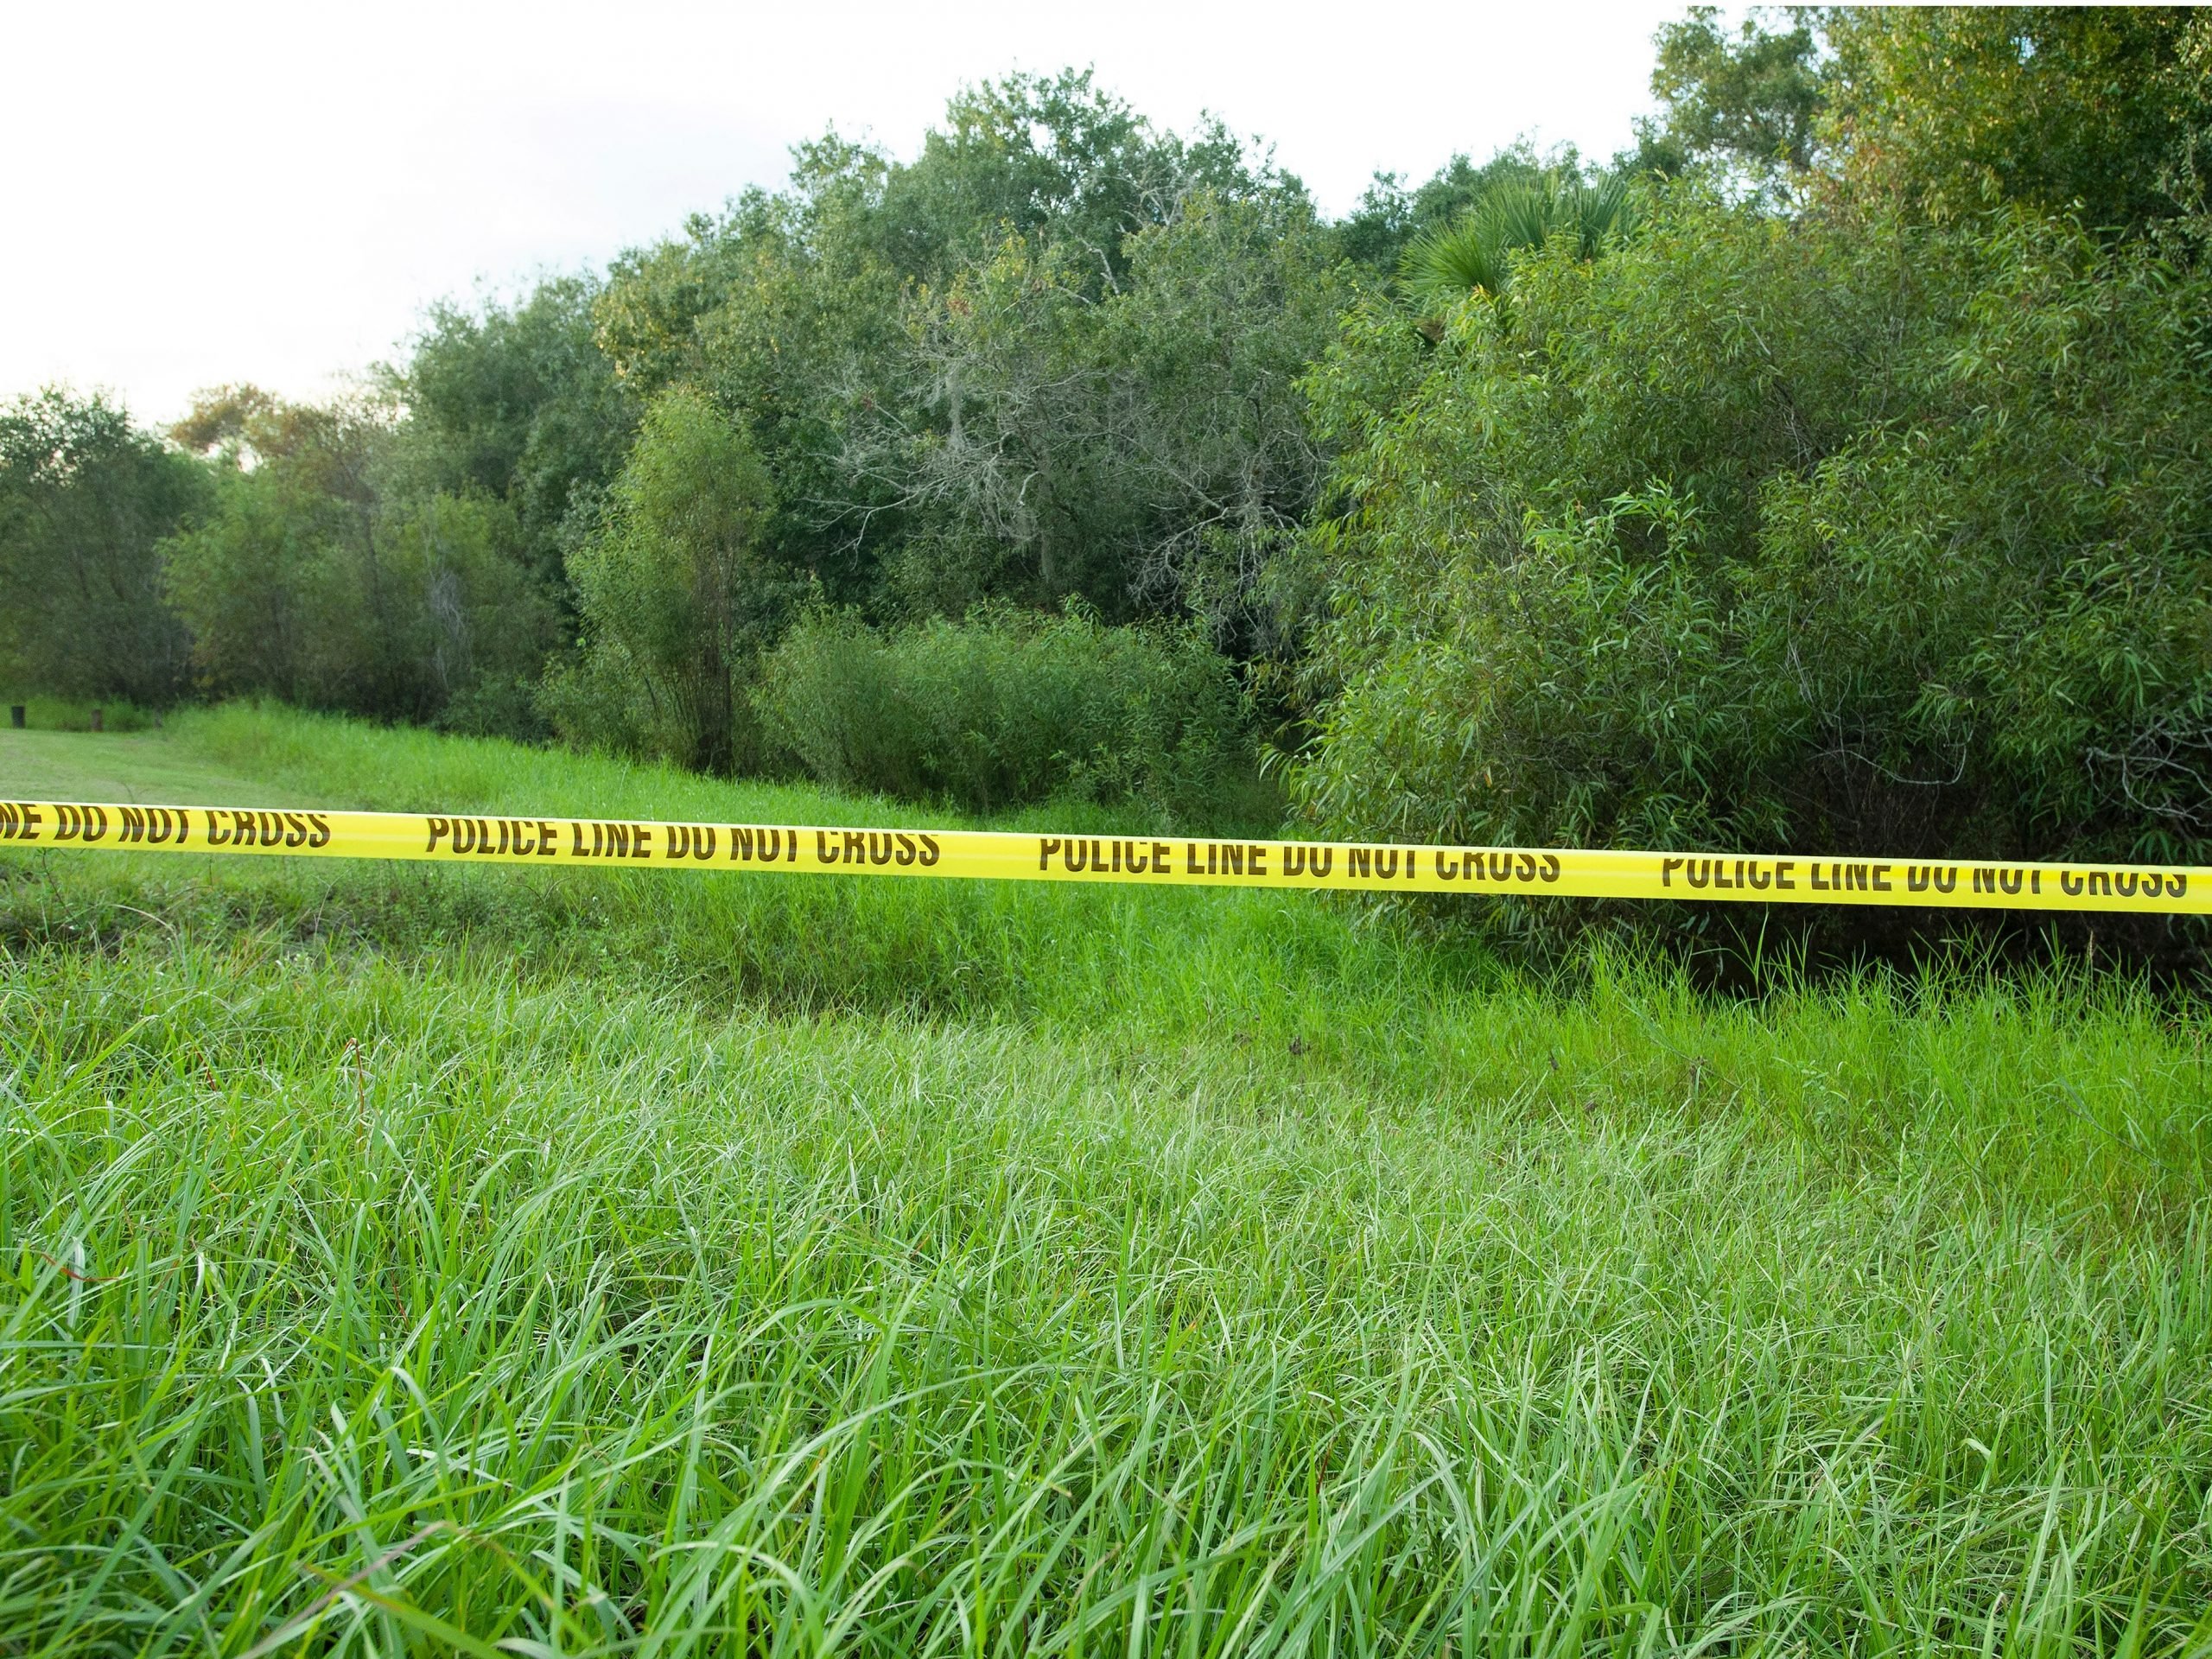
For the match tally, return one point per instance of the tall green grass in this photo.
(449, 1259)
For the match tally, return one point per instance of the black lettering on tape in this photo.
(87, 824)
(153, 825)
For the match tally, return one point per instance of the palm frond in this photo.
(1445, 264)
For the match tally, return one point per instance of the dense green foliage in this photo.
(318, 577)
(517, 402)
(85, 501)
(1769, 536)
(1054, 355)
(1745, 107)
(1005, 709)
(1944, 112)
(1858, 499)
(1442, 266)
(2101, 113)
(674, 597)
(1144, 448)
(1388, 216)
(770, 1264)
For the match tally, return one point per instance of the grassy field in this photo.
(424, 1259)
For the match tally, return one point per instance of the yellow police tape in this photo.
(630, 843)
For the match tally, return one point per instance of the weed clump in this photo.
(1006, 708)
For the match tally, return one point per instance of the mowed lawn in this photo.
(424, 1259)
(151, 767)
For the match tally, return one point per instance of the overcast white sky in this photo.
(266, 193)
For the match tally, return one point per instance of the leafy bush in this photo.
(420, 611)
(674, 597)
(85, 499)
(1006, 708)
(1780, 536)
(319, 578)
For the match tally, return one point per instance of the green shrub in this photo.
(1006, 708)
(1780, 536)
(674, 597)
(318, 578)
(85, 501)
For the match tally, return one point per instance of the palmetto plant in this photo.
(1445, 264)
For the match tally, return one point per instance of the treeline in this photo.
(1830, 469)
